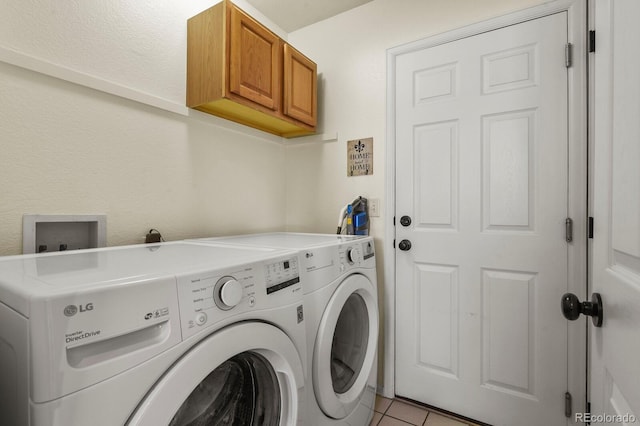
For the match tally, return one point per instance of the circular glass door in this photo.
(349, 345)
(345, 346)
(243, 375)
(242, 391)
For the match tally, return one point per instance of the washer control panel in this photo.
(282, 274)
(208, 297)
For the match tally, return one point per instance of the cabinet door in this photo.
(254, 61)
(300, 79)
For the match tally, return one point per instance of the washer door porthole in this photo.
(243, 390)
(245, 374)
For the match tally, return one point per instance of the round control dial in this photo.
(354, 255)
(227, 293)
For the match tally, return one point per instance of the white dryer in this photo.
(167, 334)
(341, 311)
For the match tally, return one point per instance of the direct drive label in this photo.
(80, 335)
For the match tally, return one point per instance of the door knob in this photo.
(572, 308)
(405, 245)
(405, 221)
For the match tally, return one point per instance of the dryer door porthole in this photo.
(248, 374)
(345, 347)
(349, 345)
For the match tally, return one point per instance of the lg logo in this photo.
(71, 310)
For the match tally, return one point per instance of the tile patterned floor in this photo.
(395, 412)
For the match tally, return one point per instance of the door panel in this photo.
(255, 58)
(300, 77)
(616, 209)
(482, 169)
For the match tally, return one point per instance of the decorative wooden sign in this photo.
(360, 157)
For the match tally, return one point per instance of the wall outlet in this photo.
(374, 207)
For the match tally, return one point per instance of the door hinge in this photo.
(590, 226)
(394, 243)
(568, 54)
(592, 41)
(568, 229)
(394, 221)
(567, 405)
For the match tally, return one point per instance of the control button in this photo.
(252, 301)
(354, 255)
(231, 292)
(201, 318)
(227, 293)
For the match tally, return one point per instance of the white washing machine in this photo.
(341, 311)
(167, 334)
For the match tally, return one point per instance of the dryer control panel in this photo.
(322, 265)
(209, 297)
(360, 254)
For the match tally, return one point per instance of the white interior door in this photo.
(482, 171)
(615, 348)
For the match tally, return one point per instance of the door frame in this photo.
(577, 179)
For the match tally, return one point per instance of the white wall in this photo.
(350, 50)
(68, 149)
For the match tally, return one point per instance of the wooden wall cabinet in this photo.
(239, 70)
